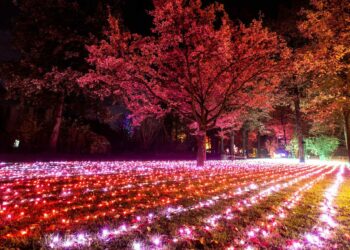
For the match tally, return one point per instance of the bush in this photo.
(323, 146)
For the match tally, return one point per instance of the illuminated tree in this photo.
(293, 92)
(281, 124)
(326, 25)
(322, 146)
(255, 122)
(197, 63)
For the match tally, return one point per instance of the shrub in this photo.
(322, 146)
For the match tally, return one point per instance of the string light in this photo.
(63, 199)
(212, 221)
(265, 228)
(324, 229)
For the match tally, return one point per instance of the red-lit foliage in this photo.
(326, 25)
(197, 63)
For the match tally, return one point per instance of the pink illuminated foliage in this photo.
(197, 63)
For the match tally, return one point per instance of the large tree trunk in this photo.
(57, 127)
(201, 151)
(346, 116)
(233, 144)
(300, 136)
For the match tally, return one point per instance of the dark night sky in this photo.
(244, 10)
(138, 20)
(7, 10)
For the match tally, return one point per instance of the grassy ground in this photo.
(342, 238)
(296, 223)
(305, 215)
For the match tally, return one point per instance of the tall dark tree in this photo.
(51, 37)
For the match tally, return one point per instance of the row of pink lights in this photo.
(189, 232)
(326, 225)
(232, 211)
(266, 228)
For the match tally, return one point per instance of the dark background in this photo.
(137, 20)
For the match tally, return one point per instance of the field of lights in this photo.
(249, 204)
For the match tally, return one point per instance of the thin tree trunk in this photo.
(222, 148)
(345, 137)
(233, 144)
(14, 112)
(176, 132)
(245, 142)
(301, 153)
(346, 116)
(201, 151)
(259, 145)
(284, 129)
(57, 127)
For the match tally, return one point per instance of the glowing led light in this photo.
(328, 219)
(81, 238)
(264, 233)
(251, 234)
(297, 245)
(137, 246)
(156, 240)
(250, 248)
(67, 243)
(105, 233)
(253, 186)
(313, 239)
(55, 239)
